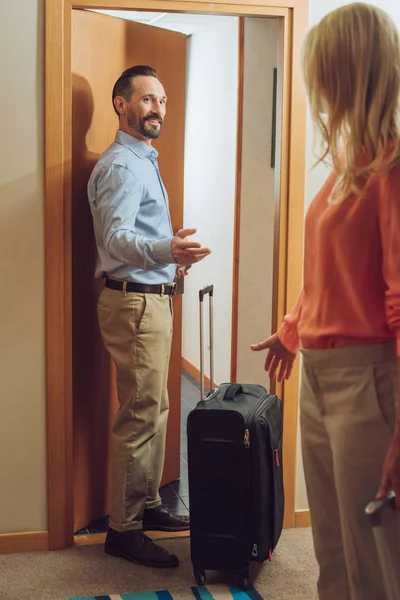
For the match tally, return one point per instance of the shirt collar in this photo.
(141, 149)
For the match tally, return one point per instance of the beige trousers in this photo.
(137, 332)
(347, 412)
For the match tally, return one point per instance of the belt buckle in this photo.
(173, 290)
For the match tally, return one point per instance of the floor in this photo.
(175, 495)
(88, 571)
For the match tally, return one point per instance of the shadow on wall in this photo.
(91, 363)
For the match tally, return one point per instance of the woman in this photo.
(347, 318)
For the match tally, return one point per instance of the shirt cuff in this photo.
(289, 337)
(161, 251)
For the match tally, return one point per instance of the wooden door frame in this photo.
(57, 215)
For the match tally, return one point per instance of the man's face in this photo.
(147, 107)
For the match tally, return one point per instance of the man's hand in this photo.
(391, 470)
(187, 252)
(277, 356)
(180, 273)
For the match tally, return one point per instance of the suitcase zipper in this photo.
(256, 407)
(252, 413)
(247, 439)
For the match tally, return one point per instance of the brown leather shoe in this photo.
(161, 519)
(136, 547)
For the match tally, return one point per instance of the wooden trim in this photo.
(254, 8)
(280, 192)
(235, 6)
(58, 238)
(238, 204)
(93, 539)
(32, 541)
(58, 275)
(280, 189)
(292, 219)
(195, 372)
(283, 208)
(302, 518)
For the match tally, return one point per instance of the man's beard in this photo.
(143, 126)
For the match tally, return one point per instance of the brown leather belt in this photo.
(141, 288)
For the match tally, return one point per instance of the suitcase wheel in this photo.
(244, 579)
(199, 576)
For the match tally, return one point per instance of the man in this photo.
(139, 256)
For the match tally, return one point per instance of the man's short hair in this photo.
(124, 84)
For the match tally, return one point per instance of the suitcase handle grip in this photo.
(206, 290)
(209, 289)
(233, 390)
(375, 509)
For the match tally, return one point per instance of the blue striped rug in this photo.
(205, 592)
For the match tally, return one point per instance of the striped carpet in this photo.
(206, 592)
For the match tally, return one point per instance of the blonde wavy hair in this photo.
(351, 66)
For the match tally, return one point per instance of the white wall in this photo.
(257, 199)
(318, 9)
(316, 176)
(210, 178)
(22, 398)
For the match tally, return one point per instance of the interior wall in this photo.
(210, 179)
(257, 198)
(22, 351)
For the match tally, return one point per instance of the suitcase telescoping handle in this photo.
(203, 292)
(374, 511)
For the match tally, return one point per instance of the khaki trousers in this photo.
(347, 413)
(137, 332)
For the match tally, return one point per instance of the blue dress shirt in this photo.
(130, 210)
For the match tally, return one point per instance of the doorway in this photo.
(212, 48)
(58, 248)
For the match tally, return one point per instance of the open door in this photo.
(103, 47)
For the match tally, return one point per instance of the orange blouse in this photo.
(351, 289)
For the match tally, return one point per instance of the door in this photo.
(103, 47)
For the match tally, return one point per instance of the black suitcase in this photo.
(235, 474)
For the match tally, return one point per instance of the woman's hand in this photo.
(277, 357)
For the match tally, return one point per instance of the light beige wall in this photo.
(257, 198)
(22, 397)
